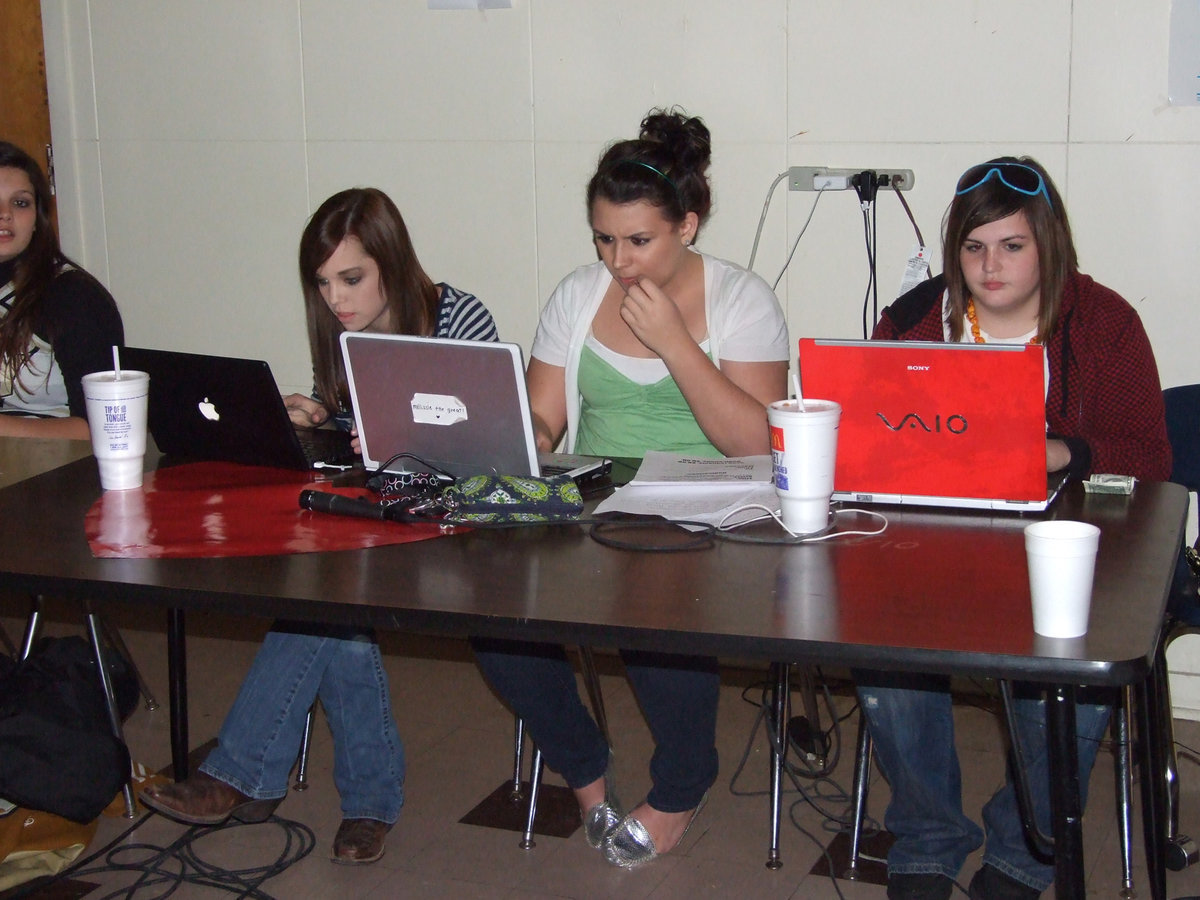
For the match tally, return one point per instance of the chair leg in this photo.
(1124, 776)
(301, 783)
(118, 643)
(862, 779)
(517, 789)
(535, 782)
(110, 701)
(1182, 850)
(591, 681)
(32, 626)
(780, 673)
(814, 754)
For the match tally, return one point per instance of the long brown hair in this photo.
(992, 200)
(369, 215)
(36, 266)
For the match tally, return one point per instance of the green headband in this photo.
(659, 173)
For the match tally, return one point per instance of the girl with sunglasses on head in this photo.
(57, 322)
(654, 347)
(359, 272)
(1011, 276)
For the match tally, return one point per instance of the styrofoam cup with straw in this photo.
(803, 455)
(116, 411)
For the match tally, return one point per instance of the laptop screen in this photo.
(460, 406)
(933, 420)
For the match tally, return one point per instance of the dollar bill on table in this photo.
(1110, 484)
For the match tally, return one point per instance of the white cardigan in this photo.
(745, 322)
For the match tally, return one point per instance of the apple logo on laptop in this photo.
(208, 410)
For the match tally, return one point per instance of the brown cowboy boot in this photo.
(204, 800)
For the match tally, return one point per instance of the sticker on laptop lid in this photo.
(438, 409)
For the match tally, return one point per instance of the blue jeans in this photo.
(261, 735)
(912, 730)
(678, 695)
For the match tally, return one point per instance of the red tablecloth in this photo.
(223, 509)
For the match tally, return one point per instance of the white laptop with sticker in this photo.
(457, 406)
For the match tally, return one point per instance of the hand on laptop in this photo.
(305, 411)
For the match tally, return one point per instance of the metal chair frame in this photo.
(102, 638)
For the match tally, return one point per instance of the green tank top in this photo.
(619, 417)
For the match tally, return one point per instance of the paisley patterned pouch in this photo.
(511, 499)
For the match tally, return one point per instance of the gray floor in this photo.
(458, 742)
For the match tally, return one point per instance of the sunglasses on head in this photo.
(1015, 176)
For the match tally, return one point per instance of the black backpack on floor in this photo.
(57, 749)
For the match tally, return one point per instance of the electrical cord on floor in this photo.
(1192, 753)
(160, 871)
(812, 796)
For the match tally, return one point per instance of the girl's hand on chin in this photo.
(652, 316)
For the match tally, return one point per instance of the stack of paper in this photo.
(697, 489)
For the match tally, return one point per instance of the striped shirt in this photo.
(462, 316)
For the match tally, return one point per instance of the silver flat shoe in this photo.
(630, 845)
(601, 819)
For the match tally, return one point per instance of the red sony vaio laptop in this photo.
(935, 424)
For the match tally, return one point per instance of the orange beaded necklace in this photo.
(974, 320)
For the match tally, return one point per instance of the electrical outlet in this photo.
(823, 178)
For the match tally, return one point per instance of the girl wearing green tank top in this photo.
(654, 347)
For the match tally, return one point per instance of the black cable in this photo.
(1192, 753)
(794, 773)
(866, 185)
(678, 534)
(811, 796)
(874, 260)
(161, 871)
(764, 715)
(866, 325)
(909, 213)
(701, 538)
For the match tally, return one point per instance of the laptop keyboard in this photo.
(325, 445)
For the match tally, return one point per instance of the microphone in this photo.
(339, 505)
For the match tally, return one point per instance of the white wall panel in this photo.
(476, 240)
(599, 66)
(386, 70)
(221, 70)
(202, 248)
(1137, 234)
(929, 70)
(1119, 75)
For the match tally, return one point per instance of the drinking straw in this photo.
(116, 362)
(795, 384)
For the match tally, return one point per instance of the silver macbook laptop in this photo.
(457, 406)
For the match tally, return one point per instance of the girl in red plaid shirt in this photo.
(1011, 276)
